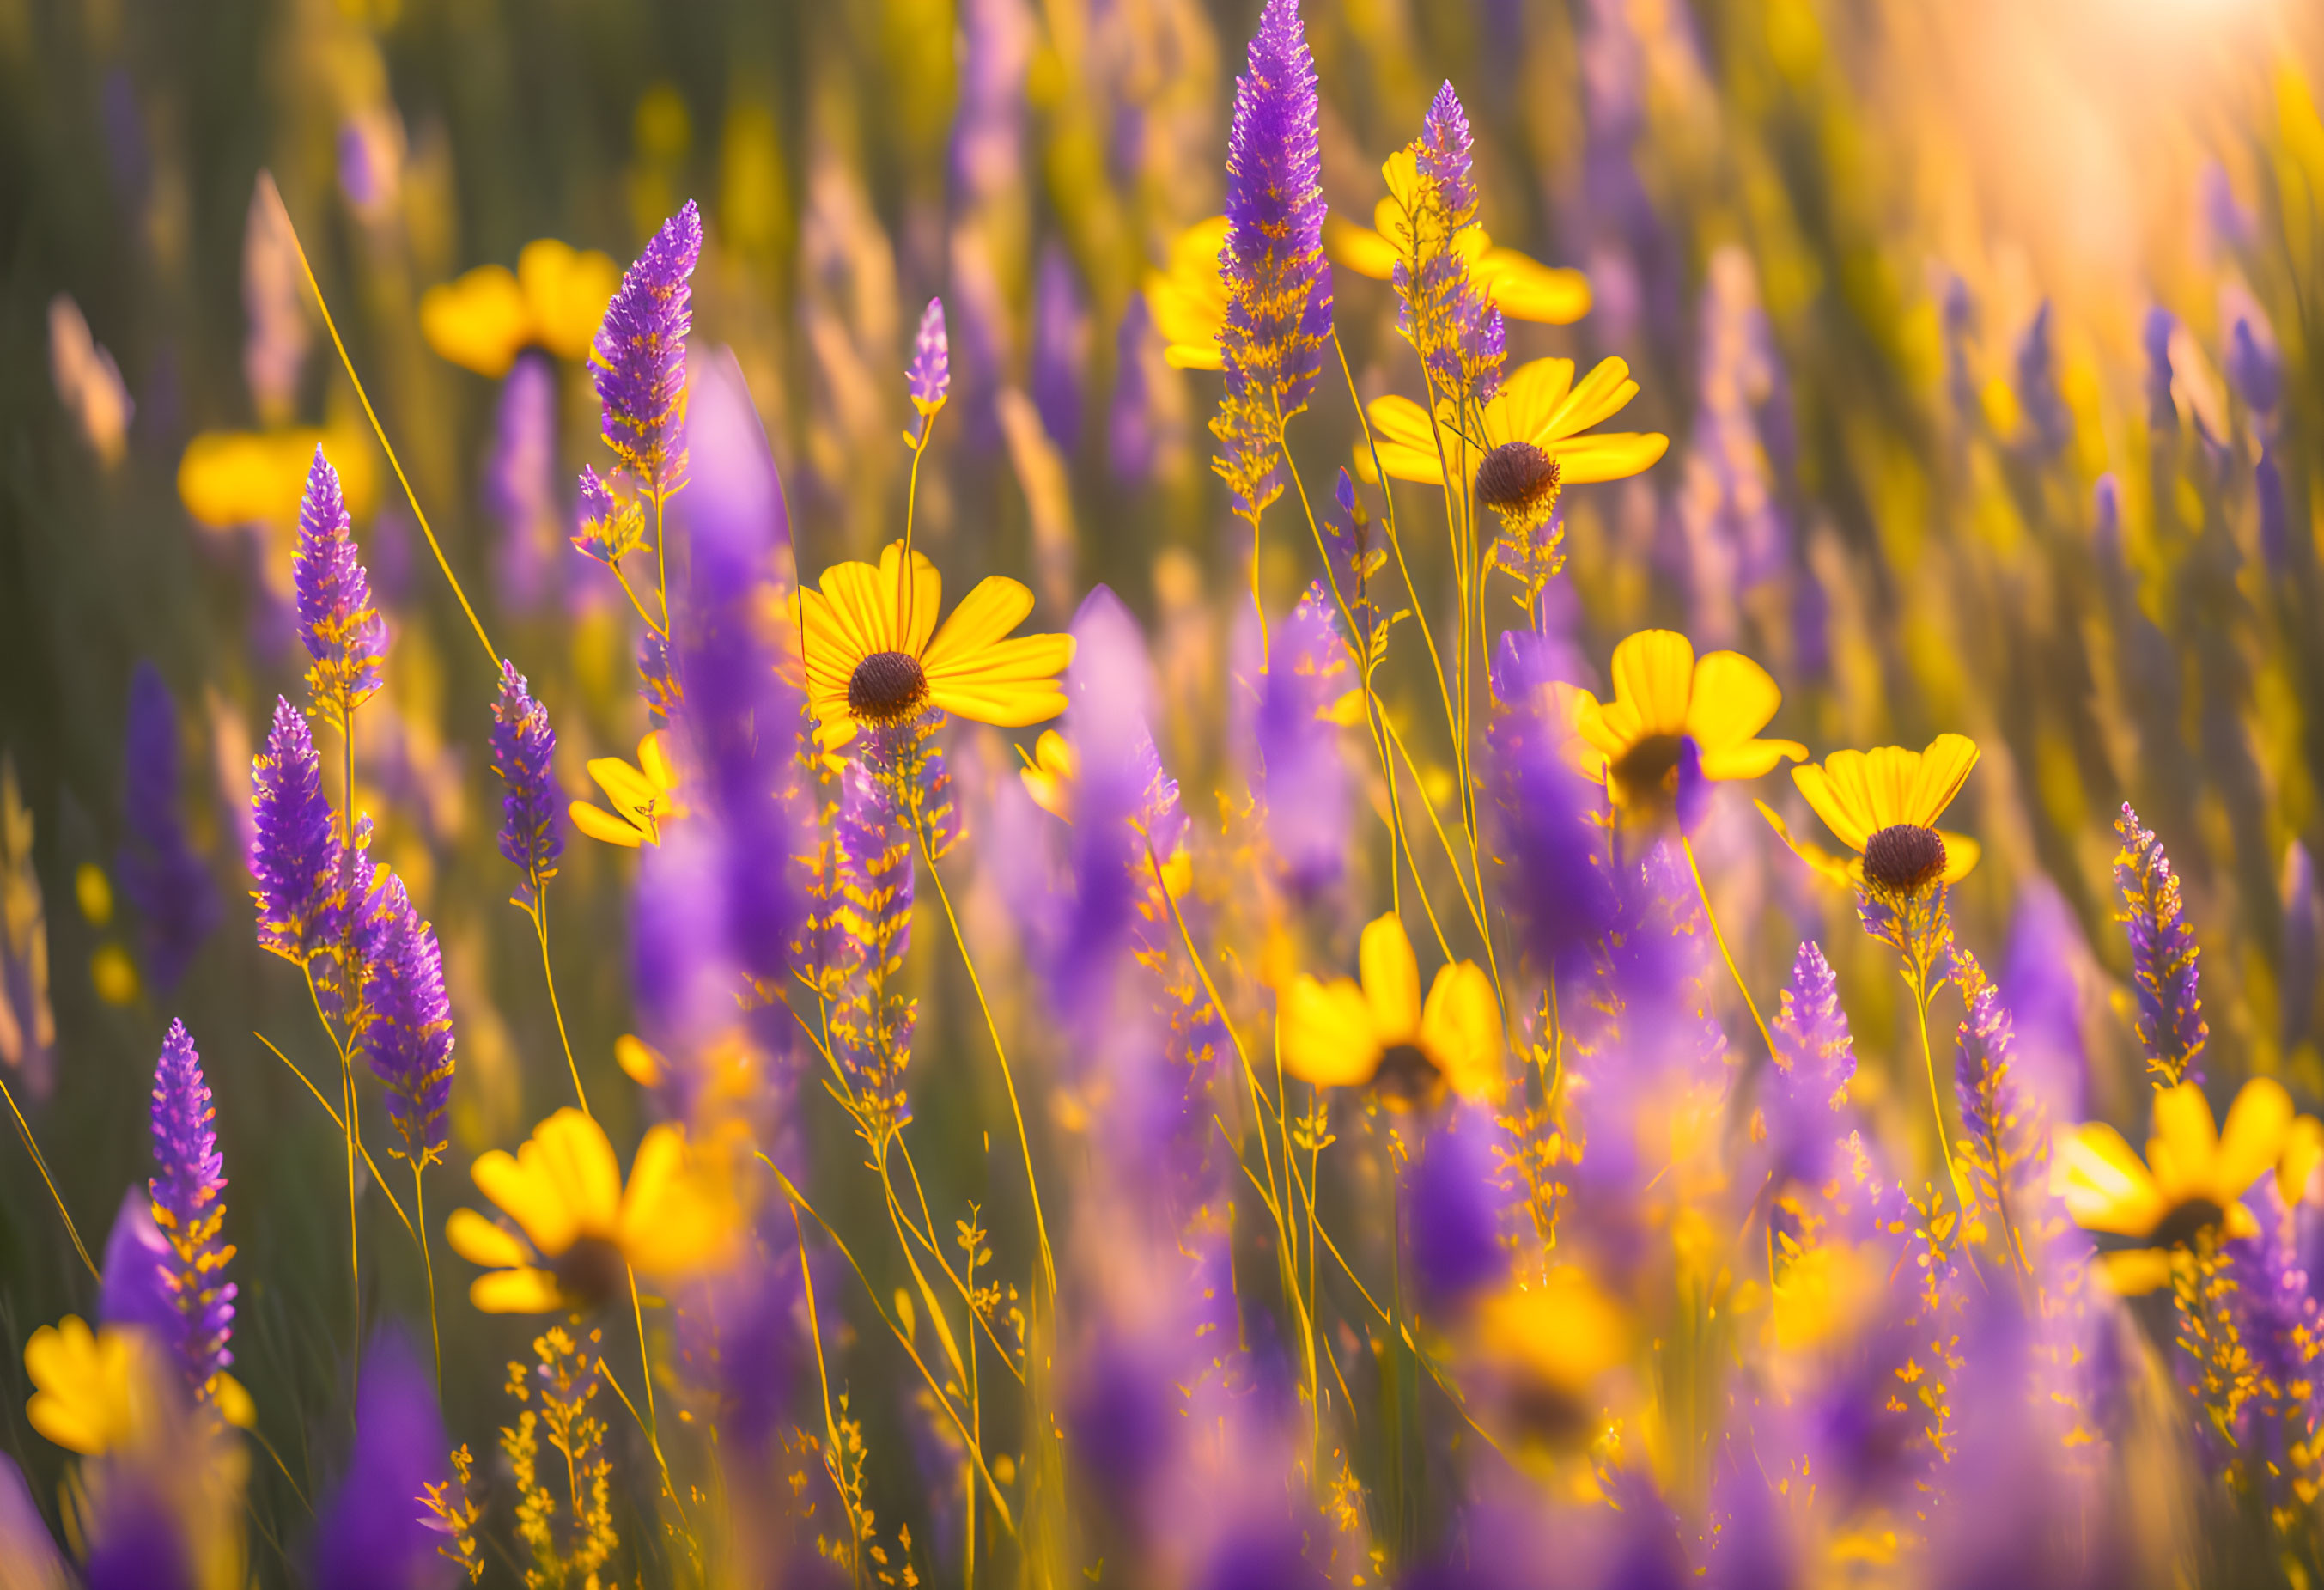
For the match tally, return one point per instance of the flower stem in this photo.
(1718, 937)
(25, 1128)
(539, 910)
(428, 1261)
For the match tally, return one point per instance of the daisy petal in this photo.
(986, 614)
(1391, 980)
(1961, 854)
(1654, 674)
(1613, 455)
(1835, 792)
(1326, 1033)
(1732, 699)
(1527, 399)
(480, 1241)
(600, 824)
(1461, 1030)
(1826, 865)
(2258, 1123)
(515, 1292)
(1944, 767)
(1600, 395)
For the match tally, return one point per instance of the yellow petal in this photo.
(1944, 768)
(1751, 760)
(2185, 1147)
(1654, 674)
(1532, 393)
(1399, 420)
(2134, 1271)
(1391, 980)
(231, 1401)
(986, 614)
(1011, 683)
(2259, 1123)
(1523, 288)
(676, 1218)
(1891, 775)
(478, 322)
(1835, 792)
(2105, 1189)
(1733, 698)
(1325, 1033)
(1461, 1030)
(1961, 854)
(1611, 455)
(566, 291)
(600, 824)
(480, 1241)
(527, 1198)
(1358, 248)
(654, 764)
(516, 1291)
(2304, 1153)
(1833, 868)
(1600, 395)
(570, 1149)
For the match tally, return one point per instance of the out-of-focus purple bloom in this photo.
(997, 40)
(407, 1028)
(2274, 531)
(1261, 1556)
(2106, 523)
(294, 851)
(273, 310)
(2298, 998)
(2163, 954)
(175, 898)
(373, 1536)
(24, 1542)
(1693, 803)
(1804, 1097)
(519, 480)
(2257, 368)
(1449, 319)
(137, 1541)
(1061, 347)
(929, 377)
(1357, 559)
(2038, 977)
(1559, 894)
(2161, 409)
(638, 360)
(139, 1265)
(2278, 1320)
(342, 630)
(190, 1209)
(523, 746)
(1130, 444)
(1453, 1219)
(1278, 283)
(2003, 1148)
(1304, 780)
(2037, 386)
(1960, 317)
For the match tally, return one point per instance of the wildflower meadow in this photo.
(1230, 794)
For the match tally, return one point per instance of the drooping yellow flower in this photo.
(230, 478)
(554, 299)
(1342, 1035)
(875, 656)
(643, 797)
(1521, 287)
(1539, 409)
(2193, 1179)
(92, 1390)
(581, 1229)
(1665, 696)
(1188, 299)
(1049, 774)
(1884, 805)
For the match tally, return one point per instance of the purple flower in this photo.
(2162, 410)
(1302, 781)
(523, 746)
(1452, 1213)
(1357, 557)
(2257, 368)
(407, 1025)
(1061, 345)
(190, 1209)
(2277, 1317)
(1447, 317)
(929, 375)
(2046, 948)
(2267, 486)
(2037, 387)
(24, 1542)
(2162, 954)
(1130, 443)
(342, 630)
(160, 873)
(638, 360)
(2298, 999)
(2003, 1148)
(871, 1019)
(139, 1264)
(373, 1536)
(294, 849)
(1560, 895)
(519, 479)
(1804, 1097)
(1279, 284)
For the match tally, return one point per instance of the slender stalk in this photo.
(25, 1128)
(539, 912)
(1712, 917)
(661, 573)
(830, 1425)
(1921, 994)
(369, 1163)
(907, 593)
(428, 1261)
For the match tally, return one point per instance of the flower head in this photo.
(1189, 298)
(190, 1209)
(294, 849)
(1884, 805)
(407, 1030)
(643, 797)
(1343, 1035)
(377, 1535)
(638, 360)
(1446, 314)
(522, 747)
(1539, 405)
(875, 657)
(342, 630)
(929, 375)
(554, 300)
(581, 1230)
(1665, 700)
(1519, 286)
(2193, 1181)
(2162, 955)
(92, 1390)
(160, 872)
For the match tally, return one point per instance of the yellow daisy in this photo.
(643, 797)
(874, 655)
(1537, 418)
(1050, 774)
(554, 299)
(1521, 287)
(92, 1390)
(1188, 299)
(1664, 696)
(1343, 1035)
(2193, 1179)
(1884, 805)
(582, 1231)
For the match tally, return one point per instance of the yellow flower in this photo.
(92, 1390)
(582, 1230)
(1665, 694)
(229, 478)
(1341, 1035)
(1884, 805)
(1521, 287)
(874, 655)
(2193, 1179)
(1188, 299)
(1545, 1349)
(1049, 774)
(1538, 411)
(554, 300)
(643, 798)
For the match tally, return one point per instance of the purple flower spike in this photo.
(374, 1536)
(2003, 1148)
(1449, 318)
(929, 375)
(189, 1208)
(639, 362)
(1443, 151)
(523, 746)
(1804, 1099)
(2162, 953)
(294, 851)
(1279, 284)
(407, 1032)
(1304, 780)
(160, 873)
(342, 630)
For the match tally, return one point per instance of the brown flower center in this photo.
(591, 1270)
(1517, 478)
(1407, 1079)
(1647, 774)
(1903, 858)
(887, 687)
(2181, 1226)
